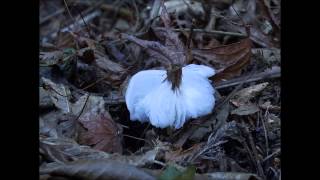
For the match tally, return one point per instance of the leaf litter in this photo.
(84, 126)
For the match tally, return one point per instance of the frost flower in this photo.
(169, 99)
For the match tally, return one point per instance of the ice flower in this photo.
(170, 98)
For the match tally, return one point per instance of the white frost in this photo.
(149, 96)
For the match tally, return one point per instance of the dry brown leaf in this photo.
(179, 7)
(232, 175)
(65, 40)
(102, 132)
(181, 155)
(228, 60)
(268, 106)
(245, 110)
(97, 170)
(107, 65)
(59, 95)
(260, 31)
(137, 160)
(50, 58)
(70, 149)
(44, 98)
(243, 96)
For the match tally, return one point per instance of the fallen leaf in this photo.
(243, 96)
(65, 40)
(59, 95)
(245, 110)
(172, 173)
(251, 16)
(268, 106)
(97, 170)
(223, 113)
(44, 98)
(107, 65)
(228, 60)
(50, 152)
(269, 55)
(101, 131)
(232, 175)
(50, 58)
(169, 173)
(183, 7)
(181, 155)
(137, 160)
(47, 127)
(199, 133)
(188, 174)
(72, 150)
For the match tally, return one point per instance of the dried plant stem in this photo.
(245, 79)
(265, 131)
(255, 153)
(140, 139)
(65, 3)
(56, 13)
(271, 155)
(212, 32)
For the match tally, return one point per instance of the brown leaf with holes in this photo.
(228, 60)
(101, 131)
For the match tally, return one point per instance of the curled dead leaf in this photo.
(243, 96)
(228, 60)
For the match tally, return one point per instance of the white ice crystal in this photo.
(149, 96)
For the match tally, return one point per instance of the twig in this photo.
(94, 83)
(155, 9)
(80, 113)
(85, 103)
(45, 19)
(47, 87)
(265, 130)
(271, 155)
(65, 3)
(245, 79)
(211, 32)
(123, 12)
(159, 163)
(137, 20)
(242, 21)
(84, 22)
(255, 153)
(140, 139)
(87, 18)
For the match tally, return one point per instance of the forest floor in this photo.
(89, 50)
